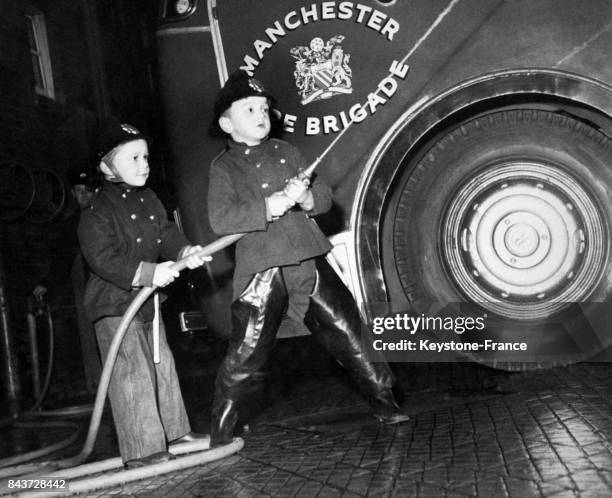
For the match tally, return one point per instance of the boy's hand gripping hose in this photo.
(138, 301)
(208, 250)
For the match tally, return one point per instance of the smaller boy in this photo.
(122, 235)
(280, 262)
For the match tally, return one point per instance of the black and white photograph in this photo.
(259, 248)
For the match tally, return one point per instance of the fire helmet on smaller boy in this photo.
(114, 133)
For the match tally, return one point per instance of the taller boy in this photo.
(280, 263)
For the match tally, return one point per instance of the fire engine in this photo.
(468, 143)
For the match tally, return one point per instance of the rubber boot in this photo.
(256, 316)
(334, 320)
(224, 418)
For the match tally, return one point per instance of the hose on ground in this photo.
(94, 425)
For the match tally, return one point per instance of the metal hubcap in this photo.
(524, 240)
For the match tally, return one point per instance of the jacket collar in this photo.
(120, 187)
(240, 147)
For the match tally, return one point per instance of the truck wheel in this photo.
(509, 215)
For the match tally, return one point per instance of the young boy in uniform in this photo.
(122, 235)
(280, 262)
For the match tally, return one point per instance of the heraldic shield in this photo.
(322, 70)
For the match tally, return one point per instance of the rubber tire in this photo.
(425, 189)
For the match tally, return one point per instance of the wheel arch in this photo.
(585, 99)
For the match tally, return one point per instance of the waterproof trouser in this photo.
(145, 397)
(332, 318)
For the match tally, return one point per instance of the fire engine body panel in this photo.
(467, 141)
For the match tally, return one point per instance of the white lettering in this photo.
(312, 13)
(277, 30)
(345, 10)
(375, 19)
(374, 101)
(390, 29)
(362, 11)
(388, 86)
(357, 113)
(327, 10)
(330, 123)
(505, 346)
(289, 123)
(344, 119)
(261, 47)
(249, 65)
(291, 24)
(313, 126)
(398, 69)
(376, 325)
(402, 345)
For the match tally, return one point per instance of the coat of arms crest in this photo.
(322, 70)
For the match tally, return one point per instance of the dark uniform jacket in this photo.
(123, 227)
(240, 178)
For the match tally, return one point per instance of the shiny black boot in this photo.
(334, 320)
(256, 316)
(224, 418)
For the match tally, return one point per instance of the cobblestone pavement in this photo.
(473, 432)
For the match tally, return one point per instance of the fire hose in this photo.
(35, 412)
(54, 468)
(73, 464)
(72, 467)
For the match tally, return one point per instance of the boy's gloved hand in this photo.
(297, 190)
(194, 260)
(278, 204)
(163, 274)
